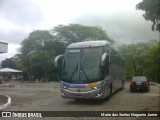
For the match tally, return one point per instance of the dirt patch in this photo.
(3, 99)
(31, 85)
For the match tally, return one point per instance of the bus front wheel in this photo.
(110, 93)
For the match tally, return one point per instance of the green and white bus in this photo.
(90, 70)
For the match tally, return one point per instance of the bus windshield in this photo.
(82, 65)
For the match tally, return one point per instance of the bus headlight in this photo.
(99, 85)
(96, 88)
(98, 94)
(65, 87)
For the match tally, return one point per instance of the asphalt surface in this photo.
(46, 97)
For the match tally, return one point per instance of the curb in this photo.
(153, 83)
(4, 106)
(6, 85)
(157, 84)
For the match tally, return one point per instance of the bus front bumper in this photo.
(92, 94)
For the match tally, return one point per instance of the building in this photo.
(3, 47)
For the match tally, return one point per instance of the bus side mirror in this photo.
(58, 60)
(103, 59)
(58, 65)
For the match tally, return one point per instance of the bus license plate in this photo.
(79, 96)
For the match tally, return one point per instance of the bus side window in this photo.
(107, 66)
(114, 57)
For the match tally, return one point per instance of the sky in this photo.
(119, 18)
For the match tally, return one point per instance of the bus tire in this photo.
(122, 87)
(110, 93)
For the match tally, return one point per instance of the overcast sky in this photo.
(119, 18)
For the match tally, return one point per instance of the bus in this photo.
(90, 70)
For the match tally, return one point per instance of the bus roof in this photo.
(88, 44)
(3, 42)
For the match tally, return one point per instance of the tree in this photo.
(9, 62)
(33, 55)
(38, 50)
(77, 33)
(152, 63)
(134, 56)
(142, 59)
(152, 12)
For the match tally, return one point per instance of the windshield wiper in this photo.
(81, 68)
(74, 71)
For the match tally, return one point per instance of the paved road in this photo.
(46, 97)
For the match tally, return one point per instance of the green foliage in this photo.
(134, 55)
(9, 63)
(78, 33)
(37, 54)
(152, 12)
(152, 62)
(38, 50)
(35, 40)
(142, 59)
